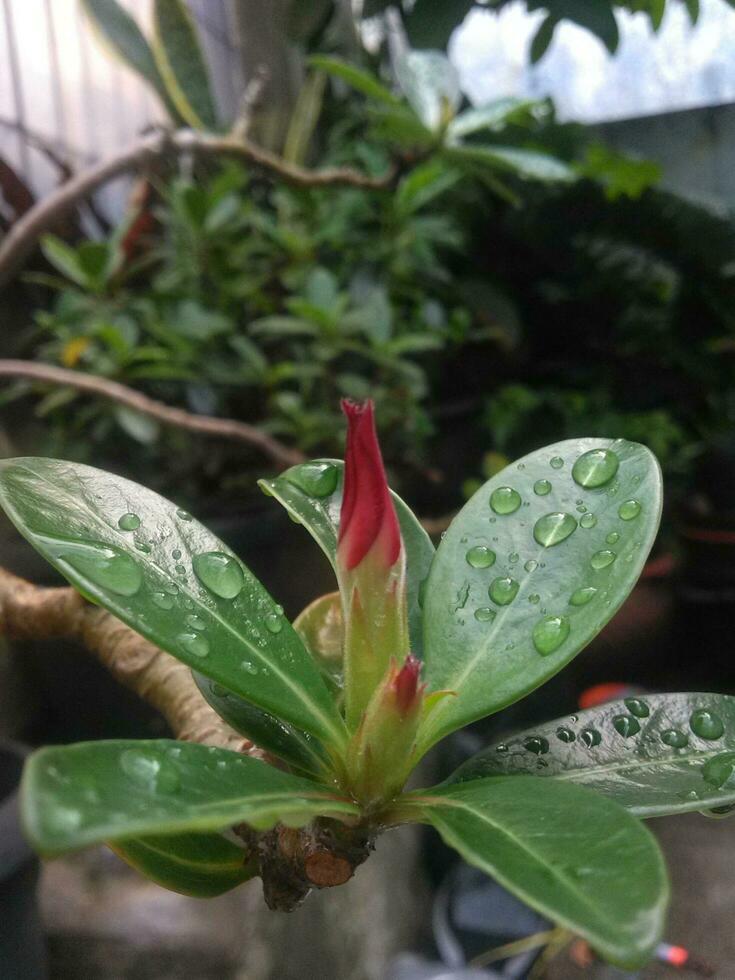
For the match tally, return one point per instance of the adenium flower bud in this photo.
(367, 521)
(370, 565)
(381, 752)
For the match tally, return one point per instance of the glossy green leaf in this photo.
(201, 865)
(576, 857)
(693, 10)
(169, 578)
(492, 115)
(76, 795)
(431, 85)
(312, 494)
(297, 748)
(596, 16)
(356, 78)
(181, 63)
(504, 608)
(644, 753)
(527, 164)
(120, 33)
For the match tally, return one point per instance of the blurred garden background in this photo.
(509, 222)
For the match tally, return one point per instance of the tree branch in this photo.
(28, 612)
(114, 391)
(24, 234)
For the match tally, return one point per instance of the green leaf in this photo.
(569, 853)
(288, 743)
(201, 865)
(312, 494)
(644, 753)
(120, 34)
(430, 82)
(143, 428)
(528, 164)
(596, 16)
(492, 115)
(430, 23)
(76, 795)
(656, 11)
(181, 63)
(543, 38)
(424, 183)
(503, 612)
(152, 578)
(321, 628)
(693, 10)
(361, 81)
(64, 259)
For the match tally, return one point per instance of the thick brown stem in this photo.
(31, 613)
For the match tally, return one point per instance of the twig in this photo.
(24, 234)
(28, 612)
(114, 391)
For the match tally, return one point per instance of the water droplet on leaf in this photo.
(480, 557)
(549, 634)
(183, 515)
(720, 771)
(674, 738)
(505, 500)
(219, 573)
(556, 463)
(315, 479)
(536, 744)
(103, 565)
(637, 707)
(485, 614)
(565, 735)
(150, 771)
(503, 590)
(629, 510)
(595, 468)
(531, 565)
(580, 597)
(706, 724)
(552, 529)
(587, 521)
(273, 623)
(626, 725)
(612, 538)
(162, 600)
(541, 488)
(601, 559)
(590, 737)
(195, 644)
(129, 522)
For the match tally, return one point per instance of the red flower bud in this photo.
(406, 684)
(368, 518)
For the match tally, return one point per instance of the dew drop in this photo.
(103, 565)
(590, 737)
(612, 538)
(196, 623)
(129, 522)
(194, 643)
(587, 521)
(536, 744)
(601, 559)
(552, 529)
(273, 623)
(637, 707)
(580, 597)
(180, 570)
(219, 573)
(534, 598)
(505, 500)
(248, 667)
(549, 633)
(674, 738)
(629, 510)
(150, 771)
(595, 468)
(502, 747)
(183, 515)
(503, 590)
(513, 558)
(142, 546)
(176, 554)
(480, 557)
(63, 819)
(531, 565)
(626, 725)
(162, 600)
(315, 479)
(485, 614)
(565, 735)
(720, 771)
(556, 462)
(219, 691)
(706, 724)
(541, 488)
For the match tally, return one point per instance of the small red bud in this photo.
(406, 684)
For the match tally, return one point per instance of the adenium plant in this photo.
(347, 700)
